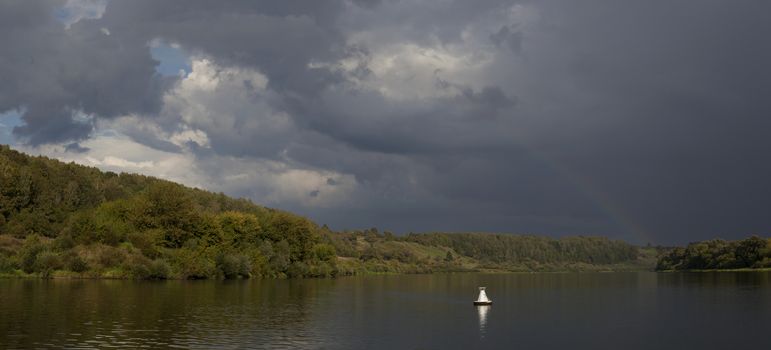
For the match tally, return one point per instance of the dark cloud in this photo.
(279, 38)
(54, 73)
(76, 148)
(641, 120)
(508, 37)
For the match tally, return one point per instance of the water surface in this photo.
(548, 311)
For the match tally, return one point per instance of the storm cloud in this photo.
(646, 121)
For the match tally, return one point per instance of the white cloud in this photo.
(120, 163)
(429, 67)
(228, 106)
(409, 71)
(181, 138)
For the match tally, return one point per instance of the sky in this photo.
(646, 121)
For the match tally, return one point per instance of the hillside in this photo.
(69, 220)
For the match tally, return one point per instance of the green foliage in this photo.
(29, 252)
(75, 263)
(497, 248)
(63, 243)
(324, 252)
(369, 251)
(753, 252)
(136, 226)
(137, 266)
(193, 264)
(238, 229)
(280, 258)
(6, 264)
(48, 262)
(159, 270)
(299, 233)
(234, 265)
(345, 243)
(147, 242)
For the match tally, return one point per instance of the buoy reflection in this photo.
(483, 310)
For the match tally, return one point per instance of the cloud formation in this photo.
(639, 120)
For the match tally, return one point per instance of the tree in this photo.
(239, 228)
(749, 251)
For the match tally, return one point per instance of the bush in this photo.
(766, 262)
(137, 266)
(297, 269)
(6, 264)
(279, 258)
(110, 257)
(322, 269)
(28, 254)
(63, 243)
(75, 263)
(48, 262)
(233, 265)
(159, 270)
(324, 252)
(145, 241)
(194, 265)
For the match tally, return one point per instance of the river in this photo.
(633, 310)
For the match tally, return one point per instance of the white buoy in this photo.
(482, 299)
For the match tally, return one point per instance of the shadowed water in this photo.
(585, 311)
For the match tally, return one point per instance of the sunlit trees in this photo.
(134, 226)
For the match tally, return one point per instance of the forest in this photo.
(750, 253)
(68, 220)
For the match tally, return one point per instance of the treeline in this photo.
(499, 248)
(471, 251)
(753, 252)
(69, 220)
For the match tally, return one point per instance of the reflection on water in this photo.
(544, 311)
(483, 310)
(127, 314)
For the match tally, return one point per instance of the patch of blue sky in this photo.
(73, 11)
(173, 60)
(8, 121)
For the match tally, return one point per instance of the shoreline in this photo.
(36, 276)
(66, 276)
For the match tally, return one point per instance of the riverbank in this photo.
(762, 269)
(67, 275)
